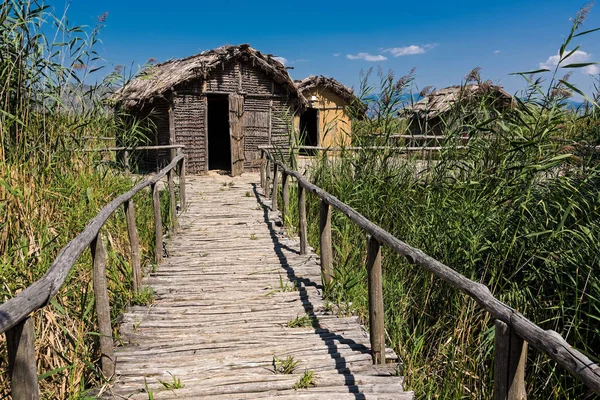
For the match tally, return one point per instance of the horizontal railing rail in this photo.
(399, 149)
(15, 313)
(513, 330)
(122, 148)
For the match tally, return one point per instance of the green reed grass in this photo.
(517, 210)
(49, 190)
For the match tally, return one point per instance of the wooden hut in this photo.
(431, 114)
(221, 104)
(325, 122)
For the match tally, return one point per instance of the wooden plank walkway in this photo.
(223, 299)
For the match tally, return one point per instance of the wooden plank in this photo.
(267, 188)
(182, 191)
(547, 341)
(262, 171)
(302, 225)
(376, 316)
(161, 147)
(22, 368)
(510, 356)
(325, 243)
(134, 245)
(158, 234)
(223, 301)
(236, 133)
(171, 113)
(41, 291)
(285, 195)
(172, 202)
(275, 193)
(107, 352)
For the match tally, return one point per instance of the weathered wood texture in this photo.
(302, 224)
(275, 194)
(158, 230)
(107, 351)
(236, 133)
(510, 356)
(223, 301)
(285, 195)
(182, 192)
(547, 341)
(21, 361)
(172, 200)
(325, 242)
(376, 323)
(134, 245)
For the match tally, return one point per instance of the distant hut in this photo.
(221, 104)
(325, 122)
(430, 115)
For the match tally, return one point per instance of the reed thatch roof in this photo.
(441, 101)
(156, 80)
(323, 82)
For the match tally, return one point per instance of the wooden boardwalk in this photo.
(223, 300)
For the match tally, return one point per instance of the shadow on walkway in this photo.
(329, 338)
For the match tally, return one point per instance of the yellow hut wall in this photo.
(335, 126)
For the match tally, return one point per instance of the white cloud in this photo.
(337, 54)
(577, 57)
(592, 69)
(496, 51)
(366, 57)
(281, 60)
(409, 50)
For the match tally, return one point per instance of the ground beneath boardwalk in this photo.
(227, 300)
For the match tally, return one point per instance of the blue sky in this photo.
(444, 40)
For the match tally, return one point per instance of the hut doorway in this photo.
(309, 127)
(219, 142)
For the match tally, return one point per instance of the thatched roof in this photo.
(156, 80)
(443, 100)
(322, 82)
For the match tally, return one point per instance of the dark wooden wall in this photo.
(155, 117)
(189, 121)
(266, 105)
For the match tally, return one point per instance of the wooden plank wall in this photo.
(265, 103)
(189, 129)
(157, 113)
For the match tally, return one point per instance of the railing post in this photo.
(285, 195)
(22, 366)
(172, 203)
(134, 245)
(326, 249)
(302, 219)
(275, 195)
(510, 356)
(376, 325)
(263, 177)
(126, 160)
(267, 191)
(107, 350)
(182, 198)
(158, 240)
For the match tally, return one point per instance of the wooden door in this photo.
(236, 133)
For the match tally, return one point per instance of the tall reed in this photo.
(517, 209)
(49, 190)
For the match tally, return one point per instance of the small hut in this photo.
(325, 122)
(221, 104)
(431, 114)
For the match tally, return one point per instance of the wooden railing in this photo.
(15, 314)
(175, 149)
(513, 330)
